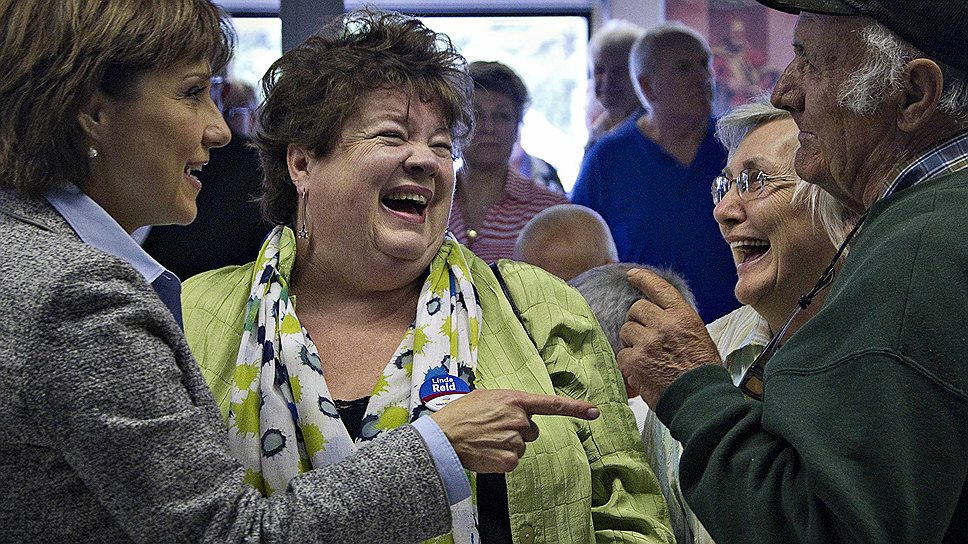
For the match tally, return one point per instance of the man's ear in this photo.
(300, 161)
(91, 116)
(645, 87)
(923, 85)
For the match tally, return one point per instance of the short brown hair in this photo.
(55, 55)
(499, 78)
(313, 89)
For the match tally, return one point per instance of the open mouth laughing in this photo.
(407, 203)
(191, 173)
(748, 251)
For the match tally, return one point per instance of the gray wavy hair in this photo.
(615, 33)
(882, 71)
(608, 292)
(736, 125)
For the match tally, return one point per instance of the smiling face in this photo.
(495, 133)
(149, 143)
(612, 81)
(380, 200)
(841, 151)
(778, 249)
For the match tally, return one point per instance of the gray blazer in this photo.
(108, 432)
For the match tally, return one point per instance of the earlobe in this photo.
(923, 87)
(299, 161)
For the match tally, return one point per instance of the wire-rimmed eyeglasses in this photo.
(749, 183)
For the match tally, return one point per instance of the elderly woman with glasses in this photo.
(783, 232)
(368, 316)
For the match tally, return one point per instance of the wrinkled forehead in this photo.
(769, 146)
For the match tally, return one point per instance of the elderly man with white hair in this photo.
(608, 65)
(862, 429)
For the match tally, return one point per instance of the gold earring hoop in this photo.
(302, 233)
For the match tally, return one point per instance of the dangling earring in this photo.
(91, 152)
(301, 213)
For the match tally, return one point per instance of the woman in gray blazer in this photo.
(109, 431)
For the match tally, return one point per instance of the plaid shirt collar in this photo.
(947, 157)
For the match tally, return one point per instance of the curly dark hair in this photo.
(55, 56)
(313, 89)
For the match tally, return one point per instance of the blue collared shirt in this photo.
(946, 157)
(445, 458)
(97, 228)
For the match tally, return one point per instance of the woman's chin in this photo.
(749, 295)
(409, 248)
(182, 216)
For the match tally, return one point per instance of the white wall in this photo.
(646, 13)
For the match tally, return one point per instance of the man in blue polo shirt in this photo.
(650, 178)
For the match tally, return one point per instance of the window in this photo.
(549, 53)
(259, 45)
(547, 50)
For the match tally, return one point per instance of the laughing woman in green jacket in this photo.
(367, 314)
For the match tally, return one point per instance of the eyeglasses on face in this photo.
(749, 183)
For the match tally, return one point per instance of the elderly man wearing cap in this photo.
(862, 431)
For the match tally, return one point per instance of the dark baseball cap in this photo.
(937, 27)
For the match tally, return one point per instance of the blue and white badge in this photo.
(439, 388)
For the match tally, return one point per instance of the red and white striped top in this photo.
(522, 199)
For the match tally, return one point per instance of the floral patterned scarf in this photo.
(282, 419)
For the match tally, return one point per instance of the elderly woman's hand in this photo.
(663, 337)
(488, 429)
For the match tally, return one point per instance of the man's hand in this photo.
(488, 429)
(663, 337)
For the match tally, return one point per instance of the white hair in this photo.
(737, 124)
(610, 295)
(882, 71)
(615, 33)
(644, 50)
(642, 56)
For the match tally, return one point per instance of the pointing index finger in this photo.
(553, 405)
(656, 289)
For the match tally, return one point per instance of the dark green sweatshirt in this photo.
(862, 435)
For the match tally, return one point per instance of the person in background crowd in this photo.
(239, 105)
(566, 240)
(368, 315)
(494, 201)
(110, 432)
(608, 64)
(535, 169)
(863, 425)
(650, 179)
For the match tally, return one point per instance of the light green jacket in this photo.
(580, 482)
